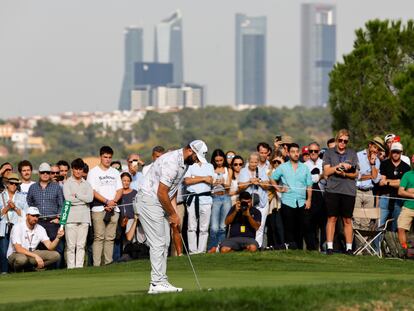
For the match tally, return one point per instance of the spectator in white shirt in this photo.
(24, 239)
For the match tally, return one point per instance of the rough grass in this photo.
(262, 281)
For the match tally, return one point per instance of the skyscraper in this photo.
(133, 42)
(318, 52)
(169, 44)
(250, 60)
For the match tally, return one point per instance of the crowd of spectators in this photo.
(281, 196)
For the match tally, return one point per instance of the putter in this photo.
(191, 264)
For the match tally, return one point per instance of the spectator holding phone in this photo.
(134, 164)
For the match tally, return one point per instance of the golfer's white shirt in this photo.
(28, 239)
(169, 169)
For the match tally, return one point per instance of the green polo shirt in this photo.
(407, 182)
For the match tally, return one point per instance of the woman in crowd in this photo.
(221, 199)
(236, 166)
(126, 212)
(229, 157)
(80, 193)
(12, 205)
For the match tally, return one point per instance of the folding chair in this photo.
(372, 236)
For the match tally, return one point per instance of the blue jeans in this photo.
(219, 210)
(386, 210)
(4, 244)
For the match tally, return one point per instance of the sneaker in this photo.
(329, 251)
(163, 288)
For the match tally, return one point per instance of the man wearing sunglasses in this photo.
(47, 196)
(55, 174)
(24, 241)
(315, 217)
(340, 166)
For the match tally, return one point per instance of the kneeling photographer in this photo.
(244, 220)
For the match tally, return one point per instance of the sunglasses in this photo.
(230, 156)
(132, 161)
(345, 141)
(237, 164)
(313, 151)
(44, 173)
(54, 173)
(276, 161)
(13, 183)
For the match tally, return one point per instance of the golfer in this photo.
(155, 211)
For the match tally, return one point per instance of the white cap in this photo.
(44, 167)
(32, 211)
(397, 147)
(200, 149)
(388, 137)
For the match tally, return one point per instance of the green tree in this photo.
(363, 94)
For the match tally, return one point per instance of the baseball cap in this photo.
(200, 149)
(32, 211)
(305, 150)
(44, 167)
(397, 147)
(388, 137)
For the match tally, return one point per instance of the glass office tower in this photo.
(169, 44)
(133, 42)
(318, 52)
(250, 60)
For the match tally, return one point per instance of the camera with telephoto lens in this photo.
(244, 205)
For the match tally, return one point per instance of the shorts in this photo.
(406, 218)
(239, 243)
(339, 205)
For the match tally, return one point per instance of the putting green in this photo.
(214, 271)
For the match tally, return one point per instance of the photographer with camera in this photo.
(255, 180)
(244, 220)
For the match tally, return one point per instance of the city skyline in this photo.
(51, 64)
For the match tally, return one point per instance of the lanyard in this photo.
(30, 240)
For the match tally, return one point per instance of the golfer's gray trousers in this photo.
(156, 227)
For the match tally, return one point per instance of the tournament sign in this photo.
(65, 213)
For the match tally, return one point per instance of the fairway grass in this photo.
(269, 280)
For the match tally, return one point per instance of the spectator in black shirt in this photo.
(391, 171)
(244, 221)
